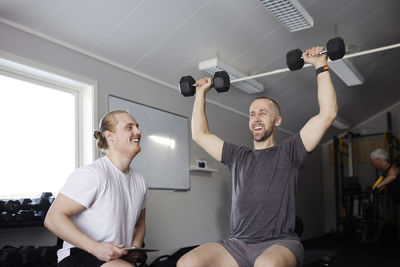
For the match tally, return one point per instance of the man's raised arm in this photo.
(200, 131)
(313, 131)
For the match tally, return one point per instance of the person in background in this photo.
(379, 159)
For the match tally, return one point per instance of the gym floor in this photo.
(354, 254)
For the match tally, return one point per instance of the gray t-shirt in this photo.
(263, 189)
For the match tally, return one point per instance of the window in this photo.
(43, 119)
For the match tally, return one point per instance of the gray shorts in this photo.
(246, 254)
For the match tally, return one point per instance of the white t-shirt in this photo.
(113, 202)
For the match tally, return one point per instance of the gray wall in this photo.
(174, 219)
(365, 172)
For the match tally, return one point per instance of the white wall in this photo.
(365, 172)
(174, 219)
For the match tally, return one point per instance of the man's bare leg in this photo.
(276, 256)
(207, 255)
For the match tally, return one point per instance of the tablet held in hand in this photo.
(135, 249)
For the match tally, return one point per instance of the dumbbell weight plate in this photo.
(7, 216)
(336, 48)
(12, 206)
(294, 60)
(186, 86)
(221, 81)
(25, 216)
(48, 254)
(29, 256)
(9, 256)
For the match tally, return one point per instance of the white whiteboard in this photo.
(164, 158)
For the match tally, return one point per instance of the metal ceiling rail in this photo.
(357, 54)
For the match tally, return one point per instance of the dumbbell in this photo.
(12, 206)
(25, 216)
(10, 257)
(221, 83)
(2, 204)
(6, 216)
(48, 255)
(334, 48)
(29, 256)
(25, 203)
(41, 205)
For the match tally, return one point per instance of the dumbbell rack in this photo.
(24, 212)
(4, 225)
(34, 212)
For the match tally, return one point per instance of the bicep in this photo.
(313, 131)
(66, 206)
(212, 144)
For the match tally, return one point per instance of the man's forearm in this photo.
(199, 119)
(387, 180)
(140, 230)
(138, 237)
(327, 100)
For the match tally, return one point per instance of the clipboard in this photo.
(140, 250)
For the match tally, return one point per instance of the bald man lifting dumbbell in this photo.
(264, 178)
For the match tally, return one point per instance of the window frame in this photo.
(84, 89)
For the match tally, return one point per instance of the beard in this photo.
(258, 137)
(268, 132)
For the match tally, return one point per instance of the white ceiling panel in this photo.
(371, 28)
(29, 13)
(227, 45)
(202, 29)
(351, 21)
(85, 23)
(145, 30)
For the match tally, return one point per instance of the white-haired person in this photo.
(380, 160)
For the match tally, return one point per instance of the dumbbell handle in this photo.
(320, 53)
(195, 84)
(252, 76)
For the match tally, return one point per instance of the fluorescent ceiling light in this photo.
(289, 13)
(341, 124)
(163, 141)
(346, 71)
(213, 65)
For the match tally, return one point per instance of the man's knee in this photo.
(189, 260)
(266, 261)
(276, 256)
